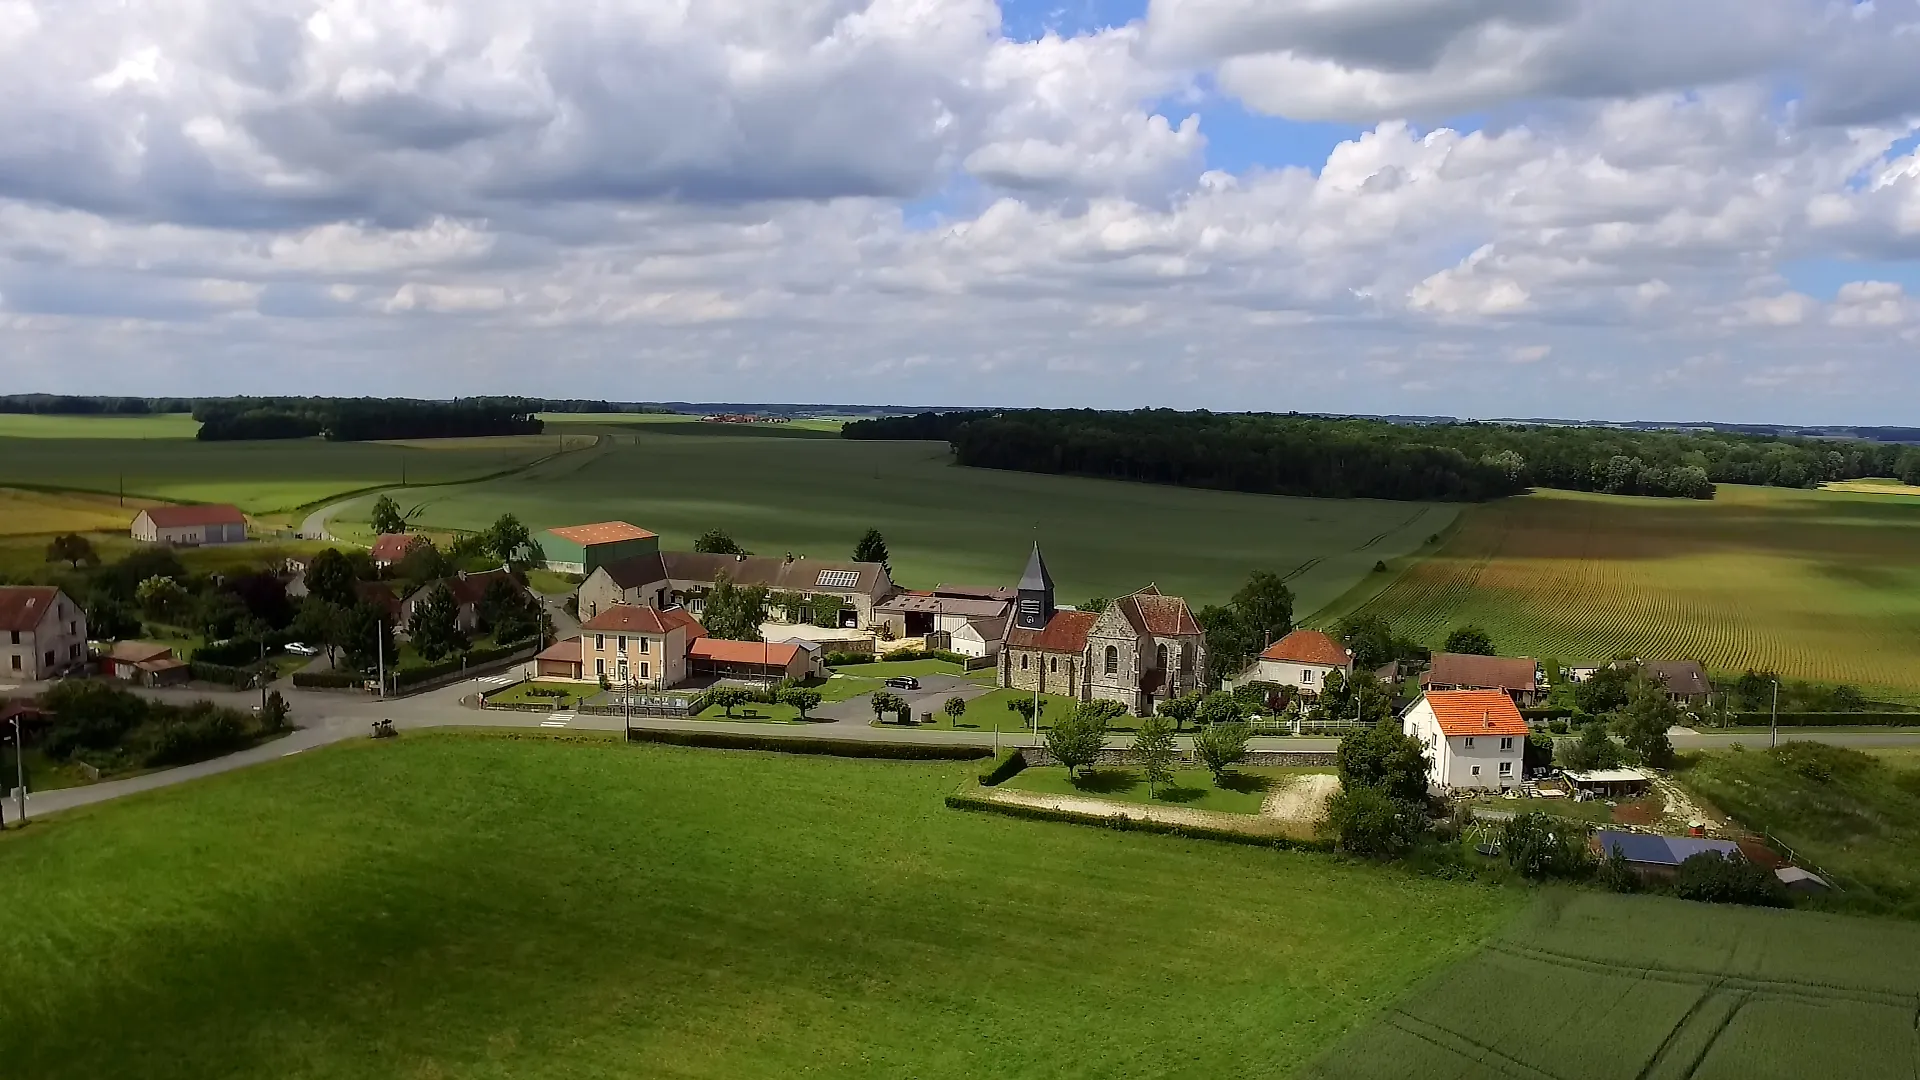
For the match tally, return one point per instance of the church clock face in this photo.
(1029, 611)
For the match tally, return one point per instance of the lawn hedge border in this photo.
(327, 680)
(964, 800)
(850, 748)
(1828, 719)
(1008, 765)
(225, 675)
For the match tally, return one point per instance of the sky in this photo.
(1612, 209)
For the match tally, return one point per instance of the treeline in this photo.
(1353, 458)
(363, 419)
(78, 405)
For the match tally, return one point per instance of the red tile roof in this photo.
(174, 517)
(566, 649)
(636, 619)
(23, 606)
(1162, 616)
(1066, 632)
(392, 547)
(721, 650)
(1481, 672)
(138, 652)
(1308, 647)
(604, 532)
(1476, 712)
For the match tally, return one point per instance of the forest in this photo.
(1292, 454)
(362, 419)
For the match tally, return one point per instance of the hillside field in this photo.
(1604, 987)
(1818, 585)
(450, 905)
(788, 490)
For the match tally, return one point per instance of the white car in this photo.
(301, 648)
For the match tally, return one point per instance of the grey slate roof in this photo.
(1036, 578)
(1663, 850)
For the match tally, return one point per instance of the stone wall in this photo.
(1050, 673)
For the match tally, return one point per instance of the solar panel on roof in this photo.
(837, 579)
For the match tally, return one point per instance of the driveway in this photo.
(933, 693)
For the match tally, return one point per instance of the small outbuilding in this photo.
(146, 663)
(563, 659)
(1796, 880)
(190, 526)
(1660, 856)
(1610, 783)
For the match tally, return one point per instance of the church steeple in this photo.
(1035, 605)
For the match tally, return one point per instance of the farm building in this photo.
(681, 578)
(765, 660)
(190, 526)
(1475, 739)
(1796, 880)
(42, 632)
(145, 662)
(1518, 677)
(1659, 856)
(563, 659)
(1301, 660)
(389, 548)
(915, 614)
(1610, 783)
(1143, 649)
(979, 637)
(582, 549)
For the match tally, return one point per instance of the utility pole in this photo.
(380, 651)
(19, 771)
(1773, 739)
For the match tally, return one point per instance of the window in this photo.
(593, 608)
(1186, 658)
(1023, 662)
(697, 605)
(1160, 657)
(1476, 770)
(1053, 663)
(620, 671)
(1506, 768)
(620, 644)
(599, 642)
(49, 657)
(643, 645)
(1113, 660)
(1506, 743)
(599, 665)
(837, 579)
(643, 669)
(16, 661)
(73, 652)
(1470, 746)
(1306, 676)
(16, 637)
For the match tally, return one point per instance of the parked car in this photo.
(301, 648)
(904, 682)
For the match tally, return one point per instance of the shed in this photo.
(1611, 783)
(563, 659)
(1795, 879)
(1660, 856)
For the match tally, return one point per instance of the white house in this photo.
(1475, 739)
(980, 637)
(1302, 660)
(42, 633)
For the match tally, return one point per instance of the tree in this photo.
(1471, 640)
(1180, 710)
(1219, 707)
(434, 625)
(1023, 706)
(884, 702)
(1642, 724)
(1095, 604)
(1595, 749)
(1367, 821)
(1616, 873)
(872, 548)
(792, 606)
(732, 613)
(264, 596)
(422, 563)
(1265, 607)
(273, 715)
(1387, 759)
(1711, 878)
(510, 542)
(804, 699)
(330, 577)
(1539, 845)
(1222, 746)
(320, 622)
(365, 636)
(1361, 697)
(387, 517)
(507, 612)
(729, 698)
(161, 598)
(72, 549)
(1606, 689)
(1231, 643)
(216, 613)
(718, 542)
(1537, 754)
(955, 708)
(110, 618)
(1076, 740)
(1153, 749)
(826, 608)
(1371, 639)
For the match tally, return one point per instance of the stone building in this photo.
(1143, 649)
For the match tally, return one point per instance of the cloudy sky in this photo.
(1576, 208)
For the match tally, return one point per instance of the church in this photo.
(1143, 649)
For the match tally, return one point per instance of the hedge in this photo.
(853, 748)
(1005, 767)
(473, 658)
(842, 659)
(960, 800)
(327, 680)
(1548, 712)
(1829, 719)
(220, 673)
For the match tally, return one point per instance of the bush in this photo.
(326, 680)
(220, 673)
(1538, 845)
(852, 748)
(842, 659)
(1558, 727)
(1005, 767)
(1367, 821)
(1712, 879)
(1827, 719)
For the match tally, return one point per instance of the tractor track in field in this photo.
(314, 525)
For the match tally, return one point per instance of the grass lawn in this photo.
(987, 711)
(753, 713)
(816, 496)
(537, 692)
(450, 905)
(845, 687)
(1851, 813)
(1596, 812)
(1817, 585)
(548, 583)
(1245, 789)
(893, 669)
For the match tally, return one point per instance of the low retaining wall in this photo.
(965, 799)
(1264, 759)
(855, 748)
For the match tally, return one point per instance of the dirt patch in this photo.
(1300, 800)
(1646, 812)
(1252, 824)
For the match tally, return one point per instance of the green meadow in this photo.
(471, 906)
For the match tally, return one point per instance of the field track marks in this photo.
(1812, 992)
(1477, 1052)
(1706, 1004)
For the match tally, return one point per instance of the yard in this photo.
(1245, 791)
(457, 905)
(561, 695)
(896, 668)
(989, 711)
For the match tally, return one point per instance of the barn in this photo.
(582, 549)
(190, 526)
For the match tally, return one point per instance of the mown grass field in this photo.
(1604, 987)
(33, 426)
(451, 905)
(817, 495)
(1813, 584)
(28, 513)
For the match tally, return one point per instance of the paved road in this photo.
(932, 695)
(327, 718)
(315, 525)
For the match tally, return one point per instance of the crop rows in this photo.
(1814, 585)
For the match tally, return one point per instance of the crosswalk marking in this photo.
(559, 719)
(495, 680)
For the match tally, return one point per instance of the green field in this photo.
(1641, 988)
(33, 426)
(453, 905)
(1851, 814)
(1817, 585)
(815, 496)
